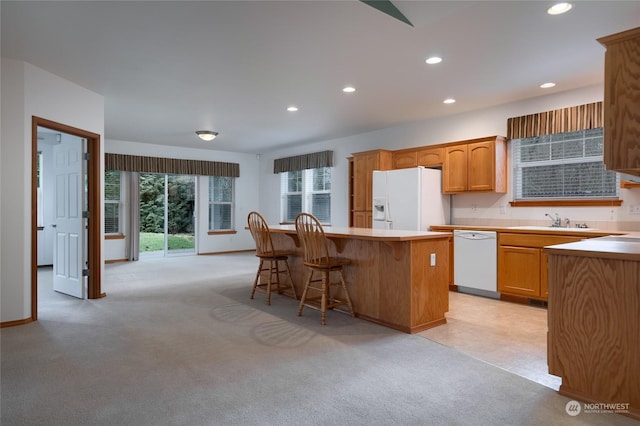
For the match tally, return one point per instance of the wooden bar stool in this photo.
(317, 259)
(270, 259)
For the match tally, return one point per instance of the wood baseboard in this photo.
(211, 253)
(115, 261)
(16, 322)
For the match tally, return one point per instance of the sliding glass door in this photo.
(167, 205)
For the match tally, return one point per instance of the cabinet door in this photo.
(360, 219)
(431, 157)
(519, 271)
(622, 101)
(360, 183)
(404, 160)
(481, 166)
(454, 169)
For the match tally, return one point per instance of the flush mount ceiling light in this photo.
(206, 135)
(349, 89)
(433, 60)
(559, 8)
(547, 85)
(292, 108)
(449, 101)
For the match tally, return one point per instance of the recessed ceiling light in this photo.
(547, 85)
(433, 60)
(559, 8)
(449, 101)
(292, 108)
(349, 89)
(206, 135)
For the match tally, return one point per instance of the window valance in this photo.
(301, 162)
(135, 163)
(581, 117)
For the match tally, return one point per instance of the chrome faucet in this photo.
(557, 222)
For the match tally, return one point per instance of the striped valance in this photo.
(135, 163)
(581, 117)
(301, 162)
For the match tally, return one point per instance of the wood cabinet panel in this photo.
(364, 163)
(519, 272)
(594, 326)
(403, 159)
(522, 264)
(454, 169)
(622, 101)
(430, 157)
(480, 166)
(475, 166)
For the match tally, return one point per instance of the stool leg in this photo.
(304, 293)
(346, 293)
(293, 287)
(323, 300)
(255, 282)
(278, 288)
(269, 282)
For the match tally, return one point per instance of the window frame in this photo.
(579, 200)
(231, 203)
(119, 202)
(306, 194)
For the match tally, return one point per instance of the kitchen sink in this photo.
(551, 228)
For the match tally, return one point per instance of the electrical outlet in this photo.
(634, 209)
(433, 259)
(503, 209)
(474, 207)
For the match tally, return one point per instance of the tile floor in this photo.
(508, 335)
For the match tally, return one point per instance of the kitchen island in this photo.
(594, 321)
(397, 278)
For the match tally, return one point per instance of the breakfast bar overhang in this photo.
(399, 279)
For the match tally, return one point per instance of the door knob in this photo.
(54, 225)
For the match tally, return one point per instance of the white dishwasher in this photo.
(475, 266)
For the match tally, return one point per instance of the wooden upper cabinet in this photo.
(454, 169)
(430, 157)
(405, 159)
(622, 101)
(364, 163)
(478, 165)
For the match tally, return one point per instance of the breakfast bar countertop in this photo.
(367, 233)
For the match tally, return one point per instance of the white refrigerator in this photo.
(409, 199)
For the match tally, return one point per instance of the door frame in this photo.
(94, 223)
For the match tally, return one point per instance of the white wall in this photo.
(468, 208)
(30, 91)
(247, 188)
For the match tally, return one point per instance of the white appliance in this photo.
(475, 262)
(409, 199)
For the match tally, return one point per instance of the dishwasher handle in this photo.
(474, 235)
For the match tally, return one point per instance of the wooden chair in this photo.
(317, 259)
(270, 259)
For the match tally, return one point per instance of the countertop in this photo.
(368, 233)
(525, 229)
(600, 243)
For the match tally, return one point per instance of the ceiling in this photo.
(169, 68)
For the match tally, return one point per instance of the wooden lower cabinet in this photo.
(520, 271)
(522, 263)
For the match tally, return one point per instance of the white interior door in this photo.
(68, 247)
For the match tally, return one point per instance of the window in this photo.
(112, 201)
(220, 203)
(562, 166)
(306, 191)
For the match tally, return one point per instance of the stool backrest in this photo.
(261, 234)
(314, 242)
